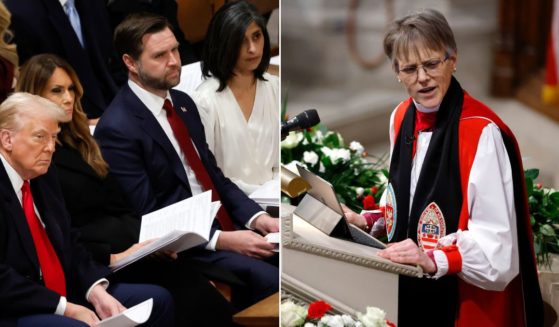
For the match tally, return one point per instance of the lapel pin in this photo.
(183, 109)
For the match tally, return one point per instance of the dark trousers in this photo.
(260, 278)
(162, 313)
(192, 293)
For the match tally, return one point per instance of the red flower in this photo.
(539, 186)
(318, 309)
(369, 203)
(391, 324)
(374, 190)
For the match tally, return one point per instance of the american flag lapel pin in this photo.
(183, 109)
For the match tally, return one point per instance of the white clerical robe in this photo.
(489, 248)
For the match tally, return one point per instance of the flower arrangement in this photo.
(544, 216)
(358, 179)
(316, 315)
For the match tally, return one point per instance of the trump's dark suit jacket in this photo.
(41, 26)
(21, 285)
(147, 166)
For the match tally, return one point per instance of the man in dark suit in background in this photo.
(78, 31)
(46, 277)
(153, 140)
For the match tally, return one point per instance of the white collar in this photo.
(423, 109)
(152, 101)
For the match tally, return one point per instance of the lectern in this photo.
(347, 275)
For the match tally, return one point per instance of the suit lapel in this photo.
(151, 126)
(13, 210)
(60, 22)
(190, 119)
(76, 54)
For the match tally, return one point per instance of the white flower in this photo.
(348, 321)
(338, 136)
(382, 178)
(374, 317)
(309, 324)
(342, 154)
(359, 191)
(317, 137)
(292, 140)
(331, 321)
(336, 155)
(357, 147)
(321, 168)
(310, 157)
(293, 166)
(292, 315)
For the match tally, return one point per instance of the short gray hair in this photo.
(427, 27)
(22, 104)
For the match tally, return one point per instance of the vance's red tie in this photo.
(53, 275)
(185, 142)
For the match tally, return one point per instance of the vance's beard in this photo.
(164, 83)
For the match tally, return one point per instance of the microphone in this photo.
(306, 119)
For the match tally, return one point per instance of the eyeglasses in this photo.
(431, 67)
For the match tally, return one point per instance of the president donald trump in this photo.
(46, 277)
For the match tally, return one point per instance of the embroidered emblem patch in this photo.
(430, 227)
(391, 212)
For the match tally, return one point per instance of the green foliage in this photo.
(353, 173)
(544, 216)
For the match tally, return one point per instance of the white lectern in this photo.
(347, 275)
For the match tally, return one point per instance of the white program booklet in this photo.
(176, 228)
(133, 316)
(274, 238)
(267, 194)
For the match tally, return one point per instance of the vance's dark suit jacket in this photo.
(21, 286)
(145, 163)
(41, 26)
(97, 206)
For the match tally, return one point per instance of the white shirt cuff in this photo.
(211, 244)
(61, 307)
(442, 264)
(249, 223)
(104, 283)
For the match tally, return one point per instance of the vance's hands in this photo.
(245, 242)
(266, 224)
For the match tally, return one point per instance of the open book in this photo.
(133, 316)
(176, 228)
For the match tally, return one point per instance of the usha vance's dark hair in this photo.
(225, 38)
